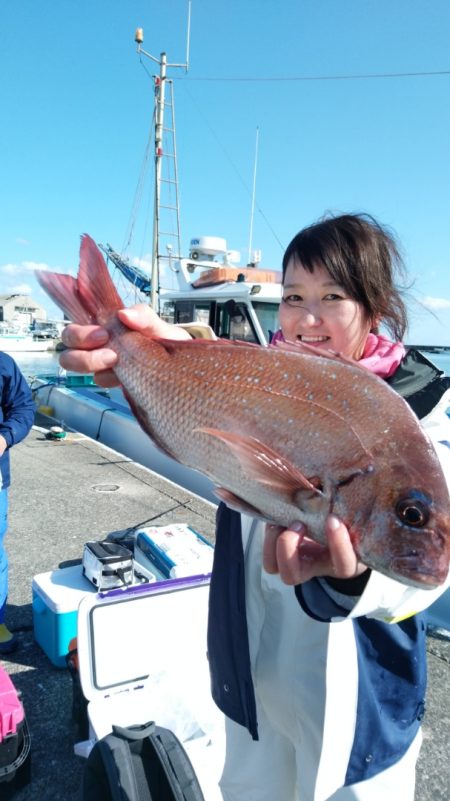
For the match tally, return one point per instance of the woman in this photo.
(317, 662)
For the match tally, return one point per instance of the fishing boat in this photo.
(17, 340)
(209, 286)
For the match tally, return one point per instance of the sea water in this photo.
(47, 362)
(40, 363)
(441, 360)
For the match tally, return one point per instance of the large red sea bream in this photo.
(284, 435)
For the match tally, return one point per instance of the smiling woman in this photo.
(312, 652)
(317, 311)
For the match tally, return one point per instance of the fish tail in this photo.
(89, 298)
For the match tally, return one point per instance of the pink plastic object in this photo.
(11, 709)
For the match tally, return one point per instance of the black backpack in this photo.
(140, 763)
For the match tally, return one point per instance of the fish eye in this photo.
(413, 512)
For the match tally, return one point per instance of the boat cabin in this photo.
(237, 302)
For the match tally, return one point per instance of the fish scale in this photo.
(284, 434)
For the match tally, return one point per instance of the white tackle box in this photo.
(142, 657)
(173, 551)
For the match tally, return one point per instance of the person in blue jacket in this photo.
(318, 663)
(16, 418)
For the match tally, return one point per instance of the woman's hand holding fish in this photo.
(297, 558)
(88, 344)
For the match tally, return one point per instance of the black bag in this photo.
(140, 763)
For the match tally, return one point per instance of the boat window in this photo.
(188, 311)
(229, 320)
(168, 311)
(233, 322)
(202, 314)
(267, 314)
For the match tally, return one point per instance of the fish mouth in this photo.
(412, 568)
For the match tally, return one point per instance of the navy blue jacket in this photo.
(17, 410)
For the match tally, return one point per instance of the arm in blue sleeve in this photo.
(329, 598)
(18, 407)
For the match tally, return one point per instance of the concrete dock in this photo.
(68, 492)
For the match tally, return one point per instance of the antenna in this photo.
(188, 34)
(160, 87)
(252, 213)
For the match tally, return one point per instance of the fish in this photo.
(285, 435)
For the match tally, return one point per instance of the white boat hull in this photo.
(19, 344)
(118, 429)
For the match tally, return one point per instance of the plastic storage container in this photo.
(56, 598)
(142, 657)
(14, 740)
(175, 551)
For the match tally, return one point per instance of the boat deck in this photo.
(65, 493)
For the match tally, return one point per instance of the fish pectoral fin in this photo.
(236, 503)
(263, 464)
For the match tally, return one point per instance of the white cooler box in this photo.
(142, 657)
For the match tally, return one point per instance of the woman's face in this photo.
(319, 312)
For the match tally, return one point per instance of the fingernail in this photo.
(99, 336)
(108, 358)
(334, 523)
(297, 526)
(132, 313)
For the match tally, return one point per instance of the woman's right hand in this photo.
(88, 344)
(297, 558)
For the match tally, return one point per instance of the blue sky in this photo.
(76, 109)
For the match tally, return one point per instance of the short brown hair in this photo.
(362, 257)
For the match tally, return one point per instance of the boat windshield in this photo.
(267, 314)
(229, 319)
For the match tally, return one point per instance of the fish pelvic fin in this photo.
(263, 464)
(89, 298)
(238, 504)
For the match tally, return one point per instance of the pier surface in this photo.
(68, 492)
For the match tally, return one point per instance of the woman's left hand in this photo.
(297, 558)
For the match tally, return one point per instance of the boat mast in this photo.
(160, 101)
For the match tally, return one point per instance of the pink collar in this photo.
(381, 356)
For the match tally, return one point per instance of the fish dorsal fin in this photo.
(177, 345)
(263, 464)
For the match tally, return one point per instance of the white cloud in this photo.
(27, 267)
(21, 289)
(21, 241)
(24, 266)
(35, 265)
(144, 264)
(9, 269)
(435, 303)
